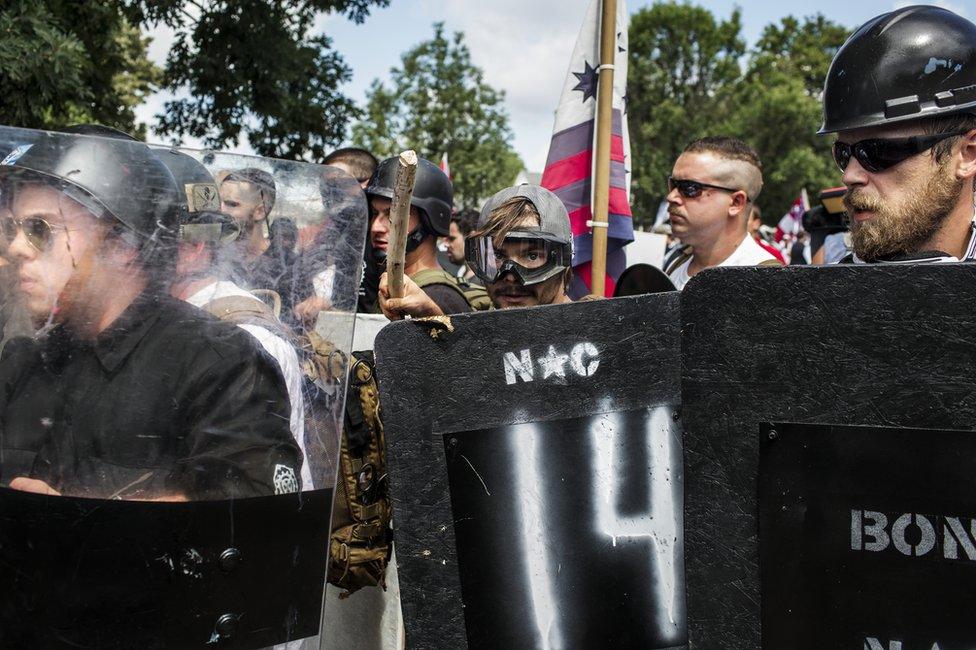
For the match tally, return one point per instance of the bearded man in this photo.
(901, 95)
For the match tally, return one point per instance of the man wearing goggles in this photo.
(906, 135)
(710, 196)
(522, 248)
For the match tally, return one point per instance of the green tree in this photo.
(776, 108)
(254, 69)
(69, 62)
(680, 60)
(439, 102)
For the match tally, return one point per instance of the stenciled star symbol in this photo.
(553, 364)
(588, 80)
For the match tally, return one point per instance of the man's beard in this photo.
(902, 229)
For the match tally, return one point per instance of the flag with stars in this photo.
(569, 169)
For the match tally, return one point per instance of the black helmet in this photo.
(200, 217)
(433, 193)
(109, 176)
(911, 63)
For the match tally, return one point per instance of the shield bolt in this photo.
(230, 559)
(227, 625)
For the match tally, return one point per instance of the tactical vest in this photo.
(476, 296)
(359, 548)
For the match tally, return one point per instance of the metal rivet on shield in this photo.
(772, 434)
(226, 625)
(452, 442)
(230, 559)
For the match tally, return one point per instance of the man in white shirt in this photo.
(711, 190)
(197, 281)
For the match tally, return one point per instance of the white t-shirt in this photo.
(283, 353)
(749, 253)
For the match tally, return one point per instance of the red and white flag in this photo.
(445, 167)
(792, 222)
(569, 169)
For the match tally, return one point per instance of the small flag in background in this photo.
(569, 169)
(445, 167)
(792, 222)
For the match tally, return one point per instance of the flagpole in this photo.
(604, 124)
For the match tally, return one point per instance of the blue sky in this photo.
(523, 46)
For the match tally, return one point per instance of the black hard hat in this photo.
(433, 192)
(200, 216)
(911, 63)
(109, 176)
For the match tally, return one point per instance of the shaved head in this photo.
(732, 163)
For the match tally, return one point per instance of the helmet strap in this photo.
(414, 239)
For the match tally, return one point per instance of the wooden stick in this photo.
(601, 181)
(399, 220)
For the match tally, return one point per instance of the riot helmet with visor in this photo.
(114, 177)
(201, 219)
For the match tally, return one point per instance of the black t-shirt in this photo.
(167, 401)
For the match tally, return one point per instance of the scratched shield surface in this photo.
(882, 543)
(886, 346)
(535, 470)
(595, 531)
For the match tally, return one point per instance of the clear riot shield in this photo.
(170, 410)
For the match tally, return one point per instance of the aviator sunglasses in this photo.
(879, 154)
(37, 231)
(693, 189)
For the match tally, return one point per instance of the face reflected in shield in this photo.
(46, 236)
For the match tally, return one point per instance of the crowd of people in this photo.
(905, 146)
(138, 272)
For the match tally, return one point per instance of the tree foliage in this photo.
(691, 76)
(70, 62)
(238, 69)
(680, 59)
(254, 69)
(439, 102)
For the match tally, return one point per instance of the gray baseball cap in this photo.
(554, 220)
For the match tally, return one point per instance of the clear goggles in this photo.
(531, 256)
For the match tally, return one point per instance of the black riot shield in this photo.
(535, 471)
(828, 457)
(175, 329)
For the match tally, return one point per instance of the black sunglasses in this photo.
(37, 231)
(879, 154)
(693, 189)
